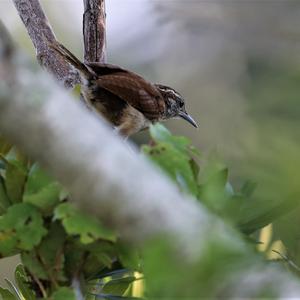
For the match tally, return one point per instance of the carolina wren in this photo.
(126, 100)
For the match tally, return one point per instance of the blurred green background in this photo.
(237, 62)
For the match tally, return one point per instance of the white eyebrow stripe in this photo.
(175, 94)
(170, 90)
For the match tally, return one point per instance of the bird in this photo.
(125, 99)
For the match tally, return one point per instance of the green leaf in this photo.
(262, 215)
(23, 283)
(248, 188)
(34, 265)
(15, 179)
(102, 253)
(4, 201)
(4, 146)
(160, 133)
(21, 228)
(168, 277)
(73, 252)
(63, 293)
(214, 187)
(93, 264)
(129, 256)
(41, 190)
(278, 176)
(175, 163)
(174, 155)
(215, 191)
(47, 260)
(51, 249)
(14, 290)
(118, 287)
(195, 168)
(100, 256)
(7, 295)
(77, 223)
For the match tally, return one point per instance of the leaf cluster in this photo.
(56, 242)
(248, 209)
(207, 179)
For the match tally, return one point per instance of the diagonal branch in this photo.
(94, 29)
(41, 35)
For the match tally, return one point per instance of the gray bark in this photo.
(41, 35)
(94, 29)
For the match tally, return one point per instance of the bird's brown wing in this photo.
(136, 91)
(105, 69)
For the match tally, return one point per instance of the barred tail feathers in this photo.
(71, 59)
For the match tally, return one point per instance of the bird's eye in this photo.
(181, 104)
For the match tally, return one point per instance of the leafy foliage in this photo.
(57, 242)
(6, 294)
(64, 293)
(75, 223)
(209, 182)
(21, 228)
(15, 179)
(244, 208)
(173, 155)
(4, 201)
(23, 283)
(41, 190)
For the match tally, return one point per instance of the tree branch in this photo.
(94, 31)
(41, 35)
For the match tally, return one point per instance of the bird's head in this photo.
(175, 105)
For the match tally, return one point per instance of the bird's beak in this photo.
(188, 118)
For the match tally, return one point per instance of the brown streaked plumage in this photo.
(125, 99)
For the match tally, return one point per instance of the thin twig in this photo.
(40, 285)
